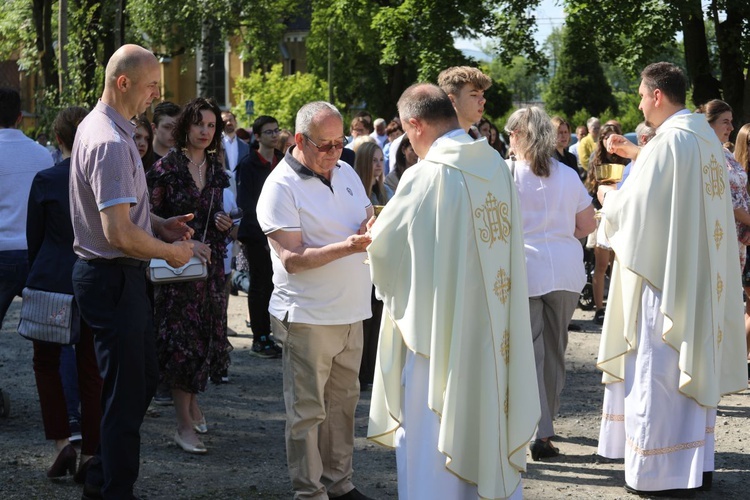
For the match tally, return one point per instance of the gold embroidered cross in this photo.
(502, 286)
(718, 234)
(494, 215)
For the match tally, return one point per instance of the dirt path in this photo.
(246, 458)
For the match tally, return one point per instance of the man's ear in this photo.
(123, 82)
(658, 98)
(19, 119)
(416, 124)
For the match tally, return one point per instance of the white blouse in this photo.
(554, 257)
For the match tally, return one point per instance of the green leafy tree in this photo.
(634, 33)
(18, 34)
(343, 49)
(181, 26)
(579, 81)
(277, 95)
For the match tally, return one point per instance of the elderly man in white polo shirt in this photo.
(313, 209)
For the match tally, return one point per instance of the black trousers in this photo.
(261, 287)
(113, 300)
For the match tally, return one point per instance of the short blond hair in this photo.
(453, 79)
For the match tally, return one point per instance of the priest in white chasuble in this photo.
(673, 340)
(455, 387)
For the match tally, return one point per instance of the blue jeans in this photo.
(69, 377)
(14, 269)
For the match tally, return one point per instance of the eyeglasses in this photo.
(271, 132)
(327, 147)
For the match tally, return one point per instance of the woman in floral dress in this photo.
(719, 116)
(190, 317)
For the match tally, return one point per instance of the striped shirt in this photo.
(106, 170)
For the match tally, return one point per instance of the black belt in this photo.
(121, 261)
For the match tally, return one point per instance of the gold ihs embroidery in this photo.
(718, 234)
(505, 347)
(715, 182)
(495, 217)
(502, 286)
(719, 285)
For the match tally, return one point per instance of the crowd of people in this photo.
(424, 258)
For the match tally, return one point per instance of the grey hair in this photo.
(591, 121)
(308, 114)
(644, 130)
(535, 138)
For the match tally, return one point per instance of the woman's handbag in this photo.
(49, 317)
(161, 273)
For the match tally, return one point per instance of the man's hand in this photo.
(181, 253)
(620, 146)
(358, 242)
(176, 228)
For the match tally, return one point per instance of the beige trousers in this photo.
(320, 366)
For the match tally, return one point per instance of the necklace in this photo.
(200, 167)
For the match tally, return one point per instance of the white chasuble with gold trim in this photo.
(447, 258)
(668, 226)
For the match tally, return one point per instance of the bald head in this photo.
(130, 61)
(131, 80)
(426, 113)
(429, 103)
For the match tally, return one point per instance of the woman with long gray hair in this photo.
(556, 212)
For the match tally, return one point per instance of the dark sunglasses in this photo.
(327, 147)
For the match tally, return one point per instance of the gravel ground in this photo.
(246, 458)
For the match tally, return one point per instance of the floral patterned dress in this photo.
(740, 198)
(190, 317)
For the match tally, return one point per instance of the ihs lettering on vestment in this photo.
(715, 173)
(495, 217)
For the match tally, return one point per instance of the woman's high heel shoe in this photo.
(543, 449)
(198, 449)
(200, 426)
(65, 463)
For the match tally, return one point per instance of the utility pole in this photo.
(62, 43)
(330, 64)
